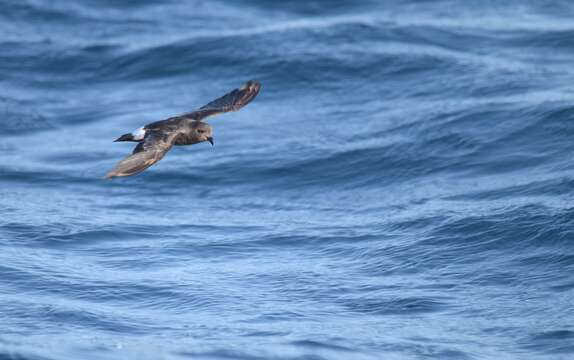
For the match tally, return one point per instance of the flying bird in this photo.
(155, 139)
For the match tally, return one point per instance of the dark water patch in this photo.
(265, 333)
(320, 345)
(57, 316)
(553, 123)
(347, 169)
(320, 62)
(555, 186)
(58, 61)
(25, 12)
(551, 342)
(100, 291)
(15, 355)
(453, 247)
(398, 306)
(557, 40)
(42, 176)
(177, 59)
(305, 241)
(530, 226)
(241, 355)
(20, 117)
(298, 7)
(565, 287)
(62, 235)
(131, 4)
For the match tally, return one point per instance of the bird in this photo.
(157, 138)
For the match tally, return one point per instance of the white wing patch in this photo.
(139, 134)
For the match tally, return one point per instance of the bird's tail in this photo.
(126, 137)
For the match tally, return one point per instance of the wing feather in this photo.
(232, 101)
(151, 150)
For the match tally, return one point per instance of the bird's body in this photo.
(155, 139)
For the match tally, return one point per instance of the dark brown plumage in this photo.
(155, 139)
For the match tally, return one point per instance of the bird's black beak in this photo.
(210, 139)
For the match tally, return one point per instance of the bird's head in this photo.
(203, 132)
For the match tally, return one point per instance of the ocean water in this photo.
(401, 188)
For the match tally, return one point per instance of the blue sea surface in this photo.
(401, 188)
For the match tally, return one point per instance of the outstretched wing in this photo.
(231, 101)
(151, 150)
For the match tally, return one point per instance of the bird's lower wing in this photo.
(232, 101)
(154, 147)
(136, 163)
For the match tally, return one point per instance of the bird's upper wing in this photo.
(231, 101)
(151, 150)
